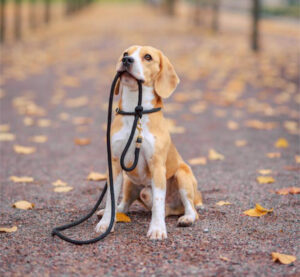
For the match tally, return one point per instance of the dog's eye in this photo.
(148, 57)
(125, 54)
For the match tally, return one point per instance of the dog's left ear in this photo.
(167, 79)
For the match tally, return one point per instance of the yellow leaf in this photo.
(281, 143)
(224, 259)
(28, 121)
(81, 120)
(64, 116)
(39, 139)
(256, 124)
(77, 102)
(240, 143)
(70, 81)
(199, 160)
(23, 179)
(265, 179)
(7, 137)
(59, 183)
(63, 189)
(8, 230)
(214, 155)
(4, 128)
(95, 176)
(283, 258)
(257, 211)
(232, 125)
(222, 203)
(273, 155)
(121, 217)
(297, 159)
(82, 141)
(291, 190)
(44, 122)
(23, 205)
(24, 150)
(265, 171)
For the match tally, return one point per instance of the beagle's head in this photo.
(149, 65)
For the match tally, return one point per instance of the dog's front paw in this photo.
(102, 226)
(186, 220)
(157, 231)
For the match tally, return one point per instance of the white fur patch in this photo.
(137, 67)
(188, 209)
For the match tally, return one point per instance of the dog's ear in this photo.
(167, 79)
(117, 87)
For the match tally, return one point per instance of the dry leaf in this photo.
(297, 159)
(224, 259)
(59, 183)
(290, 190)
(39, 139)
(222, 203)
(23, 179)
(76, 102)
(283, 258)
(70, 81)
(23, 205)
(44, 122)
(8, 230)
(214, 155)
(81, 120)
(24, 150)
(273, 155)
(95, 176)
(7, 137)
(232, 125)
(265, 179)
(82, 141)
(64, 116)
(256, 124)
(28, 121)
(197, 161)
(265, 171)
(63, 189)
(257, 211)
(240, 143)
(281, 143)
(121, 217)
(4, 128)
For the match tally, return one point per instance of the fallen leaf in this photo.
(265, 171)
(257, 211)
(95, 176)
(265, 179)
(232, 125)
(7, 137)
(23, 205)
(240, 143)
(44, 122)
(70, 81)
(8, 230)
(281, 143)
(24, 150)
(283, 258)
(199, 160)
(39, 139)
(222, 203)
(297, 159)
(82, 141)
(291, 126)
(4, 128)
(224, 259)
(64, 116)
(256, 124)
(81, 120)
(214, 155)
(290, 190)
(76, 102)
(273, 155)
(63, 189)
(23, 179)
(28, 121)
(59, 183)
(121, 217)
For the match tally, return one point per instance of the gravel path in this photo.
(56, 84)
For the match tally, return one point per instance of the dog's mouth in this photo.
(126, 74)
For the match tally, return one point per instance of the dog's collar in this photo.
(138, 111)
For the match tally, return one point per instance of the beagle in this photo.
(161, 181)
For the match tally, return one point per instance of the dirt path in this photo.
(56, 85)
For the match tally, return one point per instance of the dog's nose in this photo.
(127, 61)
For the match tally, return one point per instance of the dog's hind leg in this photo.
(187, 187)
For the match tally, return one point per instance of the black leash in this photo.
(138, 113)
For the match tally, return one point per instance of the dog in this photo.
(161, 181)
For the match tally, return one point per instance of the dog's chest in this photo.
(120, 139)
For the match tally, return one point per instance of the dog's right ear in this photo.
(117, 87)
